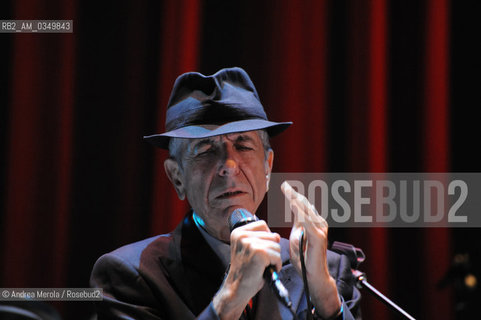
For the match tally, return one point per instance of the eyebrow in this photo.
(210, 141)
(242, 138)
(200, 143)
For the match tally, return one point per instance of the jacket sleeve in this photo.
(350, 295)
(127, 295)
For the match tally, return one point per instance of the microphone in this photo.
(355, 255)
(241, 217)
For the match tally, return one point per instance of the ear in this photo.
(268, 167)
(174, 174)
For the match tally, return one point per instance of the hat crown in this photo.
(196, 99)
(202, 86)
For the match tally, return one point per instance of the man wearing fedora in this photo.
(217, 134)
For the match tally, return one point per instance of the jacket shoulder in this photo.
(128, 260)
(132, 252)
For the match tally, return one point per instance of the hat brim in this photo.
(197, 132)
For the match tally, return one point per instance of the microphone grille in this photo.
(240, 217)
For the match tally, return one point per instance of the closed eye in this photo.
(206, 152)
(203, 149)
(244, 148)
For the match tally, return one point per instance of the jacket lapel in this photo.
(192, 266)
(203, 270)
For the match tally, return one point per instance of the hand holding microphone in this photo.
(241, 217)
(253, 249)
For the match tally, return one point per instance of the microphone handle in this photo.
(276, 285)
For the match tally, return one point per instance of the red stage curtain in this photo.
(180, 38)
(437, 249)
(39, 151)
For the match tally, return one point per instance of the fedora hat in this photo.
(204, 106)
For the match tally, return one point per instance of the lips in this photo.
(229, 194)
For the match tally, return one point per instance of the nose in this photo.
(229, 167)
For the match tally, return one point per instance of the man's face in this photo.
(223, 173)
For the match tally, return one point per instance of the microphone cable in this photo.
(304, 277)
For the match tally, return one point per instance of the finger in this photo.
(269, 236)
(275, 260)
(261, 245)
(314, 229)
(291, 195)
(294, 238)
(305, 209)
(274, 254)
(295, 198)
(264, 251)
(305, 217)
(259, 225)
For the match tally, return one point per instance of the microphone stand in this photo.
(356, 257)
(361, 282)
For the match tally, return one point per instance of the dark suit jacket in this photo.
(176, 275)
